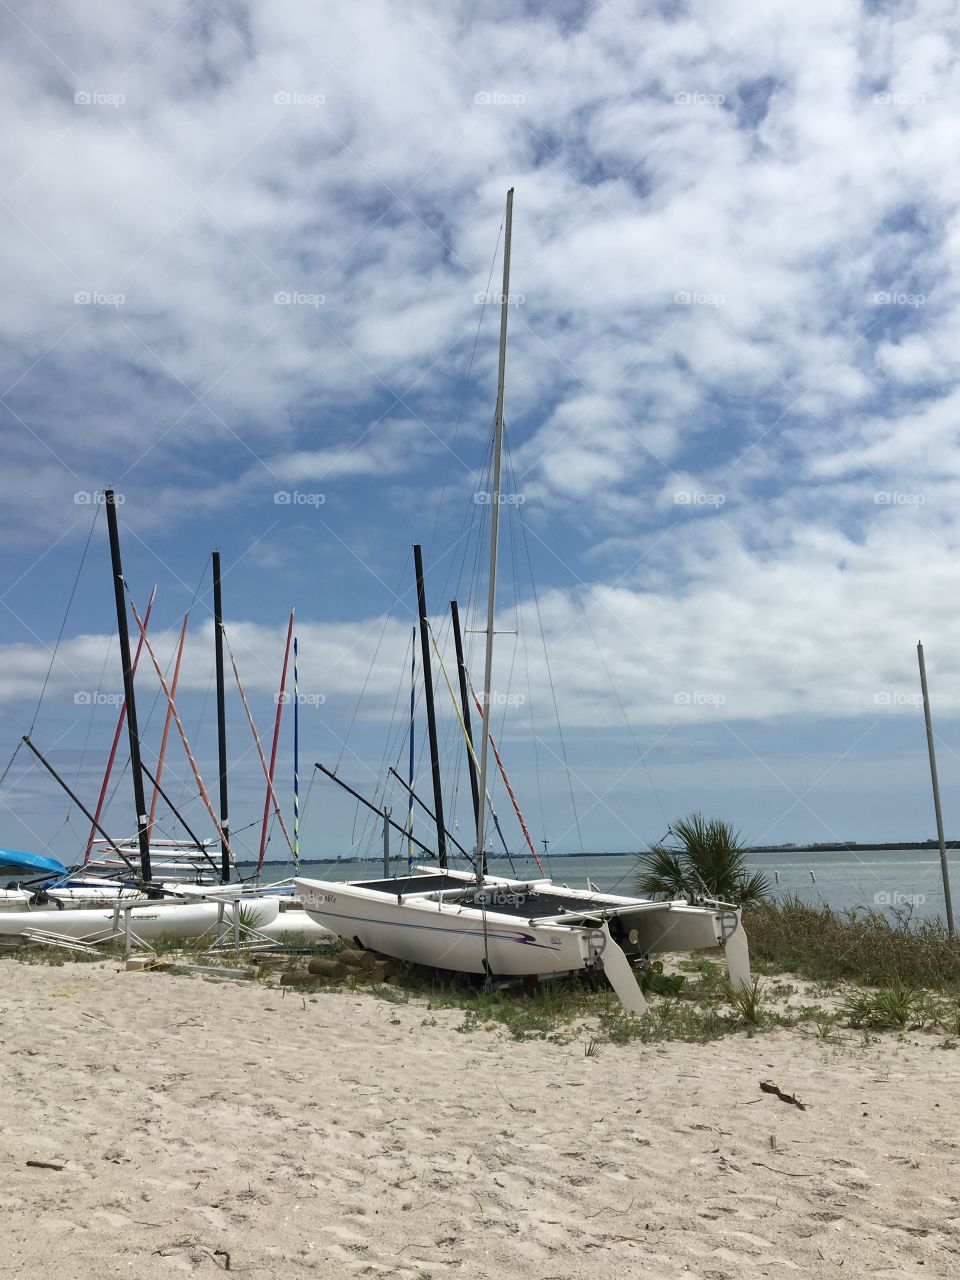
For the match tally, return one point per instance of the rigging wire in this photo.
(546, 656)
(463, 398)
(603, 662)
(73, 592)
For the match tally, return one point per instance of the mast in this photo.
(936, 790)
(281, 699)
(167, 718)
(413, 706)
(431, 710)
(296, 759)
(221, 722)
(494, 529)
(101, 799)
(123, 634)
(465, 711)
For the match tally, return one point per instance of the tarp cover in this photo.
(15, 860)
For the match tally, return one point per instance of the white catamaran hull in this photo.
(164, 919)
(440, 936)
(437, 931)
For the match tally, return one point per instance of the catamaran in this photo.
(476, 923)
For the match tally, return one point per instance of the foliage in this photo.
(709, 861)
(864, 946)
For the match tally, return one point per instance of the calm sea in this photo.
(881, 879)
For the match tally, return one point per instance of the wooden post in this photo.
(944, 869)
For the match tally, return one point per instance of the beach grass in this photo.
(869, 947)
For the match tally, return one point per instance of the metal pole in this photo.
(494, 528)
(143, 827)
(431, 711)
(386, 843)
(465, 711)
(936, 791)
(221, 722)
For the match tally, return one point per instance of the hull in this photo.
(441, 936)
(437, 930)
(156, 920)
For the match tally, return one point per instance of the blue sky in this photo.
(243, 245)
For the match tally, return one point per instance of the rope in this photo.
(603, 662)
(3, 776)
(466, 738)
(506, 783)
(73, 592)
(546, 657)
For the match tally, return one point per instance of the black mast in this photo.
(465, 709)
(221, 722)
(431, 714)
(143, 832)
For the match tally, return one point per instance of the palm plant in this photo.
(708, 859)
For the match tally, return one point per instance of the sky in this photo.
(252, 256)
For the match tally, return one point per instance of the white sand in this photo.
(340, 1136)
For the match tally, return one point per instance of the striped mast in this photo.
(271, 793)
(167, 719)
(494, 540)
(191, 758)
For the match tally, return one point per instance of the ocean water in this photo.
(881, 879)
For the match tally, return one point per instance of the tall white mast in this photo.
(494, 534)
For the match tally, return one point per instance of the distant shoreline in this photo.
(849, 847)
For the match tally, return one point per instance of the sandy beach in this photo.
(209, 1125)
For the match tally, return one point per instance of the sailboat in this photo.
(477, 923)
(168, 888)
